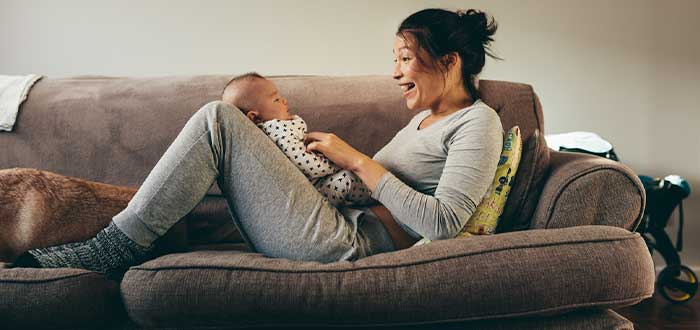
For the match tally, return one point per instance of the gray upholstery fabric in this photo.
(586, 319)
(113, 130)
(583, 319)
(516, 274)
(589, 190)
(211, 222)
(57, 298)
(82, 126)
(527, 185)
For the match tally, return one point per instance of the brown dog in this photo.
(41, 208)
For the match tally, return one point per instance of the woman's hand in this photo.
(334, 148)
(345, 156)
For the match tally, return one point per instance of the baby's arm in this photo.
(312, 164)
(289, 137)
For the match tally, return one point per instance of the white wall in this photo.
(627, 69)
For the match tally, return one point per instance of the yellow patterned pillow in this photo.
(488, 213)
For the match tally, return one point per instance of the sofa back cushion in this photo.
(527, 185)
(114, 129)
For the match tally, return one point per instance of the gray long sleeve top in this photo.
(439, 174)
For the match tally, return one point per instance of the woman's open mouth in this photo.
(407, 88)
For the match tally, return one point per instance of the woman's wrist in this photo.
(359, 163)
(368, 170)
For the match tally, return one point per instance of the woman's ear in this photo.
(453, 66)
(450, 60)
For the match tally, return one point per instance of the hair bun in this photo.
(478, 24)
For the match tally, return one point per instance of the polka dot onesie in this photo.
(339, 186)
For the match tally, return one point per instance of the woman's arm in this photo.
(369, 171)
(402, 240)
(473, 148)
(345, 156)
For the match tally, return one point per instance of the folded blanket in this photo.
(13, 91)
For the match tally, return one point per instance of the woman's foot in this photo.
(109, 252)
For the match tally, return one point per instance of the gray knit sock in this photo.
(109, 252)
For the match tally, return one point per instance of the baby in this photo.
(260, 101)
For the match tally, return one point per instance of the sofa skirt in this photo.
(60, 298)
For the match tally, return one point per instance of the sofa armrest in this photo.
(584, 189)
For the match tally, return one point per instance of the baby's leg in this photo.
(359, 194)
(344, 188)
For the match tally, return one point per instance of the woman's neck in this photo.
(449, 105)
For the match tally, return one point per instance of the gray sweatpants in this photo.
(277, 210)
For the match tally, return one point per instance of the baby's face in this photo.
(269, 103)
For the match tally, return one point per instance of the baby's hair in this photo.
(246, 77)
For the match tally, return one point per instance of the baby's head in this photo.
(257, 97)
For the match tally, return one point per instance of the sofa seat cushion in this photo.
(517, 274)
(57, 298)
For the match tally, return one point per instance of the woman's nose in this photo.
(397, 71)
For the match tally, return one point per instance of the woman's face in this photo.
(422, 87)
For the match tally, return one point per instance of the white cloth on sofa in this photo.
(578, 140)
(13, 91)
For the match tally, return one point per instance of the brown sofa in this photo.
(564, 254)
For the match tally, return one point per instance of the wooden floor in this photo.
(656, 313)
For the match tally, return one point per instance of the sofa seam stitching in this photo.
(603, 240)
(47, 280)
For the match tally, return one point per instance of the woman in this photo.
(428, 179)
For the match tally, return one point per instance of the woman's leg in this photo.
(275, 207)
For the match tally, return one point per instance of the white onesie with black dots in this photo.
(339, 186)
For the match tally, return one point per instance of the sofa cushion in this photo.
(57, 298)
(211, 222)
(82, 126)
(515, 103)
(517, 274)
(527, 185)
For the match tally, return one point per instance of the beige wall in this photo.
(628, 70)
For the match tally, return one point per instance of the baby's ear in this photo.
(254, 116)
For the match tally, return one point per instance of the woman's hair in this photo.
(439, 32)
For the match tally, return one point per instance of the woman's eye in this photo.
(405, 59)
